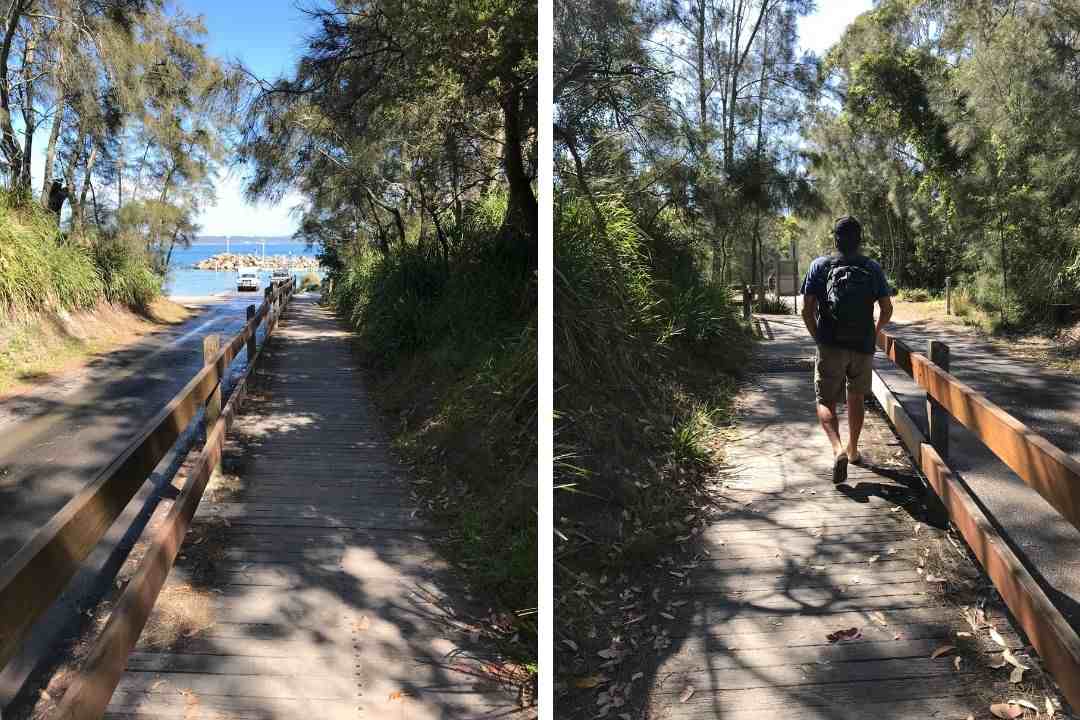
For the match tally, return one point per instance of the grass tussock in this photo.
(41, 270)
(451, 342)
(646, 356)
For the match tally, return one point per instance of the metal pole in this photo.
(948, 295)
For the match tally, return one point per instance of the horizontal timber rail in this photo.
(32, 579)
(1044, 467)
(1041, 465)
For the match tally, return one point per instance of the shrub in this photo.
(452, 343)
(40, 270)
(914, 295)
(310, 281)
(126, 273)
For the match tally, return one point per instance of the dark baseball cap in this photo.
(847, 226)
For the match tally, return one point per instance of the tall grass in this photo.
(42, 271)
(451, 341)
(646, 349)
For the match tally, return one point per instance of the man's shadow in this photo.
(906, 489)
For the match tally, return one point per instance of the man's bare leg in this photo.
(830, 423)
(855, 411)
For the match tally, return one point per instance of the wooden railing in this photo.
(32, 579)
(1051, 472)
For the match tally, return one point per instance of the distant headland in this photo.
(245, 239)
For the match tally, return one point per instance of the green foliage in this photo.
(41, 271)
(956, 147)
(310, 281)
(914, 295)
(637, 323)
(452, 341)
(125, 274)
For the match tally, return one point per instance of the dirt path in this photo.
(794, 559)
(308, 587)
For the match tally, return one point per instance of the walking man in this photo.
(839, 294)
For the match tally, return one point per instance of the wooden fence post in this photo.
(937, 417)
(251, 340)
(211, 346)
(948, 295)
(746, 302)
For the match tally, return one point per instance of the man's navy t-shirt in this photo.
(818, 275)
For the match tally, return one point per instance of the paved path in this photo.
(308, 584)
(1045, 400)
(57, 435)
(795, 558)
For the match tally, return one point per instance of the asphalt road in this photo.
(57, 436)
(1046, 400)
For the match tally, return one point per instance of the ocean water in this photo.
(183, 280)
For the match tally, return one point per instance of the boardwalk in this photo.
(795, 559)
(307, 587)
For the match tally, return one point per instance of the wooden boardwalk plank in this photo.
(792, 559)
(321, 595)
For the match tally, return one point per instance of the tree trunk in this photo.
(521, 212)
(50, 155)
(8, 144)
(29, 124)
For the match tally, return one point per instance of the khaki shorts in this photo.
(835, 367)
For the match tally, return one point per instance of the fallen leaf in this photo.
(1049, 709)
(956, 662)
(1025, 703)
(841, 635)
(1017, 675)
(668, 616)
(873, 558)
(637, 676)
(896, 509)
(961, 633)
(362, 623)
(996, 637)
(686, 694)
(879, 617)
(1009, 712)
(399, 695)
(1008, 657)
(934, 578)
(942, 650)
(608, 653)
(571, 644)
(590, 681)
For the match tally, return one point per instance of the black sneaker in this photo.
(839, 469)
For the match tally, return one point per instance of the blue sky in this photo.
(269, 35)
(818, 32)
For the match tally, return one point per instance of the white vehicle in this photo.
(280, 275)
(247, 279)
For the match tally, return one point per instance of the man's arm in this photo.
(809, 314)
(884, 314)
